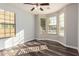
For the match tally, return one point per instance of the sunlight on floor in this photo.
(32, 49)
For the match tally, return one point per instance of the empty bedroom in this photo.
(39, 29)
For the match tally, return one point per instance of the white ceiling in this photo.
(53, 7)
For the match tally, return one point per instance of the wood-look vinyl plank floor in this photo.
(54, 49)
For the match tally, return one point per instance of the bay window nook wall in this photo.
(67, 24)
(53, 25)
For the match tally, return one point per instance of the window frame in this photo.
(43, 31)
(48, 25)
(59, 24)
(14, 24)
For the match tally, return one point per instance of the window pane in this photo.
(12, 22)
(1, 26)
(2, 30)
(7, 28)
(52, 25)
(2, 35)
(7, 21)
(1, 16)
(1, 20)
(43, 23)
(1, 12)
(12, 34)
(12, 16)
(7, 35)
(61, 24)
(13, 28)
(7, 17)
(7, 13)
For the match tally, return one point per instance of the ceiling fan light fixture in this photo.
(41, 9)
(32, 9)
(38, 6)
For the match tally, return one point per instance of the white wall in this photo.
(24, 26)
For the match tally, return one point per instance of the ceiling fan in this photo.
(38, 4)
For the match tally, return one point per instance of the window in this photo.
(7, 24)
(43, 23)
(61, 24)
(52, 25)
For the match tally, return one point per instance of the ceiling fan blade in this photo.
(43, 4)
(30, 3)
(41, 9)
(32, 9)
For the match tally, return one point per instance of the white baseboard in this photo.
(62, 43)
(65, 44)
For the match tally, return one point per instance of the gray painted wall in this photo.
(71, 16)
(24, 27)
(78, 27)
